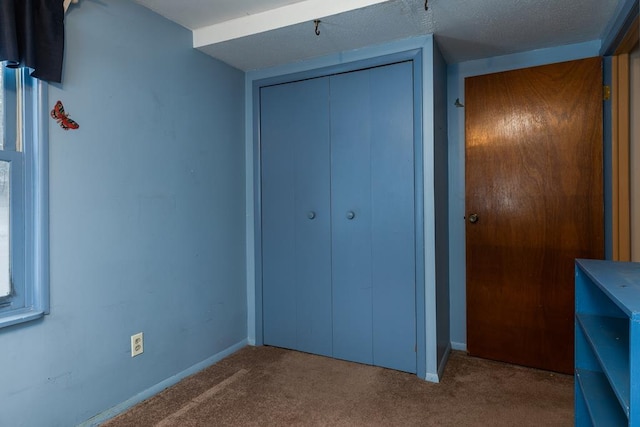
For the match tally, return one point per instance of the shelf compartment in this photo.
(609, 339)
(603, 407)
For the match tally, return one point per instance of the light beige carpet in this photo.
(265, 386)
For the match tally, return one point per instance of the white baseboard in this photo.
(435, 378)
(460, 346)
(432, 378)
(153, 390)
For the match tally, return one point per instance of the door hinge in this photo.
(606, 92)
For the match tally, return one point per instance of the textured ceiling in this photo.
(464, 29)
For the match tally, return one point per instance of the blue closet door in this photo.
(338, 226)
(296, 228)
(373, 224)
(351, 213)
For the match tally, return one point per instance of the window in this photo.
(23, 198)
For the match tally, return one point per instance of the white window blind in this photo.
(5, 269)
(5, 280)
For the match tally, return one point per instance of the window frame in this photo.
(29, 203)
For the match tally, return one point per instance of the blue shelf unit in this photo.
(607, 343)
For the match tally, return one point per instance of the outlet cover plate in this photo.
(137, 344)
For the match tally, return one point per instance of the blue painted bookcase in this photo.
(607, 343)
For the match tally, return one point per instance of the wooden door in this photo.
(534, 184)
(372, 193)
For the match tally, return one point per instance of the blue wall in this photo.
(456, 75)
(147, 218)
(441, 192)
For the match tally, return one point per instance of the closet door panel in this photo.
(278, 236)
(351, 216)
(313, 225)
(393, 222)
(296, 228)
(373, 253)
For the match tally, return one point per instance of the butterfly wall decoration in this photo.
(63, 118)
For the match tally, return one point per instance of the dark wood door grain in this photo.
(534, 179)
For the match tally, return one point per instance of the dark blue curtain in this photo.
(32, 35)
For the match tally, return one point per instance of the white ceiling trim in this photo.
(285, 16)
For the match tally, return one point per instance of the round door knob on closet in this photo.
(351, 215)
(311, 215)
(473, 218)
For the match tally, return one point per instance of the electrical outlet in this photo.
(137, 344)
